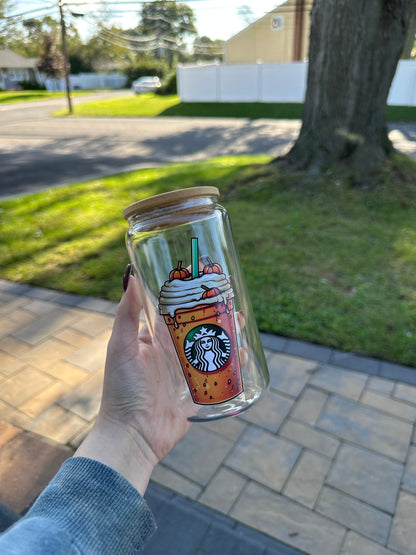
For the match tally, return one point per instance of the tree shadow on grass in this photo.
(86, 253)
(251, 110)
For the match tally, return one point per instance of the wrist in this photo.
(120, 448)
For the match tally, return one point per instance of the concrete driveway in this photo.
(38, 151)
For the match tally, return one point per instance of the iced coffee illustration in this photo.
(198, 309)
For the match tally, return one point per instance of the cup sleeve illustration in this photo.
(198, 308)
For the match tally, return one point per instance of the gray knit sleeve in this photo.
(89, 508)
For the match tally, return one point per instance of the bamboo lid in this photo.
(168, 199)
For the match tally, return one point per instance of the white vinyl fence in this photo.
(87, 81)
(271, 83)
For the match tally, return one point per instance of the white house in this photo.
(14, 69)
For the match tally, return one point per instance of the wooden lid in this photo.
(167, 199)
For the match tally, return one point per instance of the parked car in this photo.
(145, 84)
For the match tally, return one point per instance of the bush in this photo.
(153, 68)
(33, 86)
(169, 86)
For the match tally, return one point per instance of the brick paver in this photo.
(288, 521)
(403, 531)
(307, 479)
(354, 514)
(346, 383)
(270, 413)
(367, 476)
(223, 490)
(27, 463)
(325, 462)
(409, 477)
(263, 457)
(368, 427)
(355, 544)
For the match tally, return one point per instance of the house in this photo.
(15, 69)
(282, 35)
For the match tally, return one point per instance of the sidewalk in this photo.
(325, 464)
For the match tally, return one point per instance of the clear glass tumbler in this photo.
(196, 302)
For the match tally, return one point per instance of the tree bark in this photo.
(354, 49)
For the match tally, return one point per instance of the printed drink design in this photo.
(198, 309)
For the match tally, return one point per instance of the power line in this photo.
(151, 47)
(109, 11)
(108, 4)
(28, 12)
(129, 38)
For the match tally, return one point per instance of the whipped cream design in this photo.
(188, 293)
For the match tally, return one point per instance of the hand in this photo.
(140, 419)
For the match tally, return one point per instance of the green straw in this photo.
(195, 262)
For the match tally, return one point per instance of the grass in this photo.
(286, 110)
(148, 105)
(324, 262)
(401, 113)
(25, 96)
(151, 105)
(10, 97)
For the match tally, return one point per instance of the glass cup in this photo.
(196, 302)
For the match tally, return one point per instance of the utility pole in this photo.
(65, 54)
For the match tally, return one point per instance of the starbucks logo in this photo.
(207, 347)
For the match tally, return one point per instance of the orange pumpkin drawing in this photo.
(179, 272)
(212, 268)
(208, 293)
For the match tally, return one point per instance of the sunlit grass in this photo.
(9, 97)
(144, 105)
(151, 105)
(324, 261)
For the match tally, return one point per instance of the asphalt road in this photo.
(39, 151)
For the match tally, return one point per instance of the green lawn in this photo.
(132, 105)
(151, 105)
(324, 262)
(8, 97)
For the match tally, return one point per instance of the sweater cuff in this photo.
(98, 507)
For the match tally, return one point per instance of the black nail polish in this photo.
(126, 276)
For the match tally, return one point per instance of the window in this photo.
(16, 74)
(277, 22)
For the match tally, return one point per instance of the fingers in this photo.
(241, 320)
(243, 353)
(127, 320)
(240, 323)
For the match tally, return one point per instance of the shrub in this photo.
(169, 86)
(33, 86)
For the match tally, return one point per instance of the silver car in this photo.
(145, 84)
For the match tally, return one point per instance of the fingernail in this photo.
(126, 276)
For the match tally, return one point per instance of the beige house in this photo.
(282, 35)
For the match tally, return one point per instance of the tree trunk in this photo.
(354, 49)
(409, 42)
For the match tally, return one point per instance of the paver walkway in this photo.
(325, 463)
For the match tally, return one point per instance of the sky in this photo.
(217, 19)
